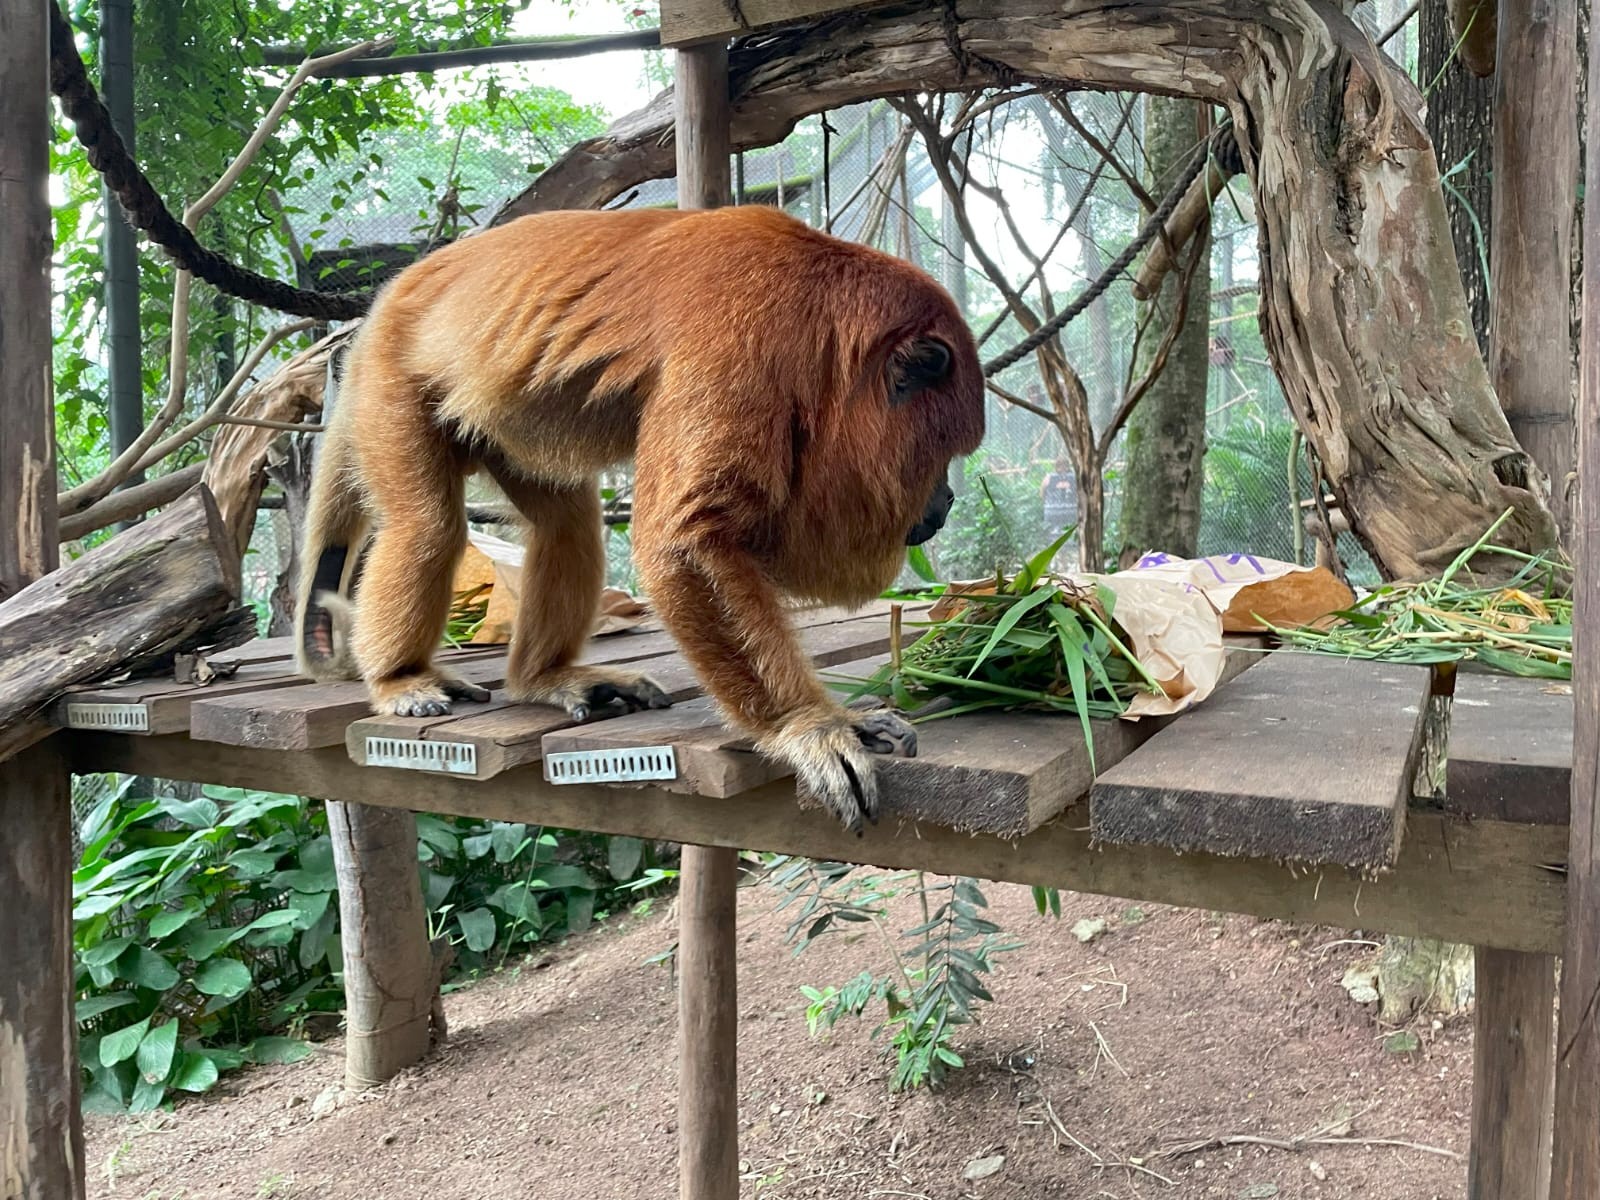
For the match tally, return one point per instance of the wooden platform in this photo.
(1294, 760)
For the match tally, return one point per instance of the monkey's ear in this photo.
(917, 366)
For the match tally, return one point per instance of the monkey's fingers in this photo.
(633, 695)
(885, 732)
(460, 689)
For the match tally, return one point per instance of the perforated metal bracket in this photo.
(118, 718)
(635, 764)
(414, 754)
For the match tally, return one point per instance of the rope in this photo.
(144, 208)
(1095, 290)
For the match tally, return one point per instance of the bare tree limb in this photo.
(130, 503)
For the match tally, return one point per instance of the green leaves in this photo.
(123, 1044)
(156, 1051)
(222, 977)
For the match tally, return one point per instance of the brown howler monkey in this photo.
(791, 402)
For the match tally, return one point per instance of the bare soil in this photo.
(1094, 1066)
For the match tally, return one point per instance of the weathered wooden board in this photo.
(1487, 883)
(311, 714)
(481, 741)
(1000, 773)
(162, 705)
(712, 759)
(685, 22)
(1303, 758)
(1510, 749)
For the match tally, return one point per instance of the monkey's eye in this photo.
(917, 366)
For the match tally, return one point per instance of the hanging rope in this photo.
(1095, 290)
(145, 209)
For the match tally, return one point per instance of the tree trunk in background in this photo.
(1166, 436)
(1460, 122)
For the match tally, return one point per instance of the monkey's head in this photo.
(871, 465)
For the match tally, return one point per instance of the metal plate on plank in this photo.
(116, 718)
(633, 764)
(414, 754)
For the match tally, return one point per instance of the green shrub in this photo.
(206, 930)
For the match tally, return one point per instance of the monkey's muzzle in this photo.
(933, 516)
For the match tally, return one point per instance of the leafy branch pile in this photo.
(933, 983)
(1522, 626)
(1035, 640)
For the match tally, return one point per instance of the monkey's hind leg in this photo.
(563, 571)
(403, 600)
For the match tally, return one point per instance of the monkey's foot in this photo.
(832, 758)
(583, 691)
(427, 694)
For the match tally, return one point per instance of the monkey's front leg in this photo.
(728, 621)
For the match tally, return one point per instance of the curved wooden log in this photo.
(236, 468)
(1363, 309)
(145, 592)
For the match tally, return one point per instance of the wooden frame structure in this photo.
(1499, 865)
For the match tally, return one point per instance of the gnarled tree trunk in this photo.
(1363, 309)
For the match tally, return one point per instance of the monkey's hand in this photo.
(427, 694)
(584, 691)
(832, 758)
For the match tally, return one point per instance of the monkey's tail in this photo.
(336, 526)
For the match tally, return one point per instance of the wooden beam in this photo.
(1576, 1166)
(1250, 772)
(689, 22)
(708, 1005)
(41, 1130)
(1484, 882)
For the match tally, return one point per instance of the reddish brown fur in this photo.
(741, 358)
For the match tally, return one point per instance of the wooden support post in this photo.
(708, 1025)
(389, 978)
(708, 1013)
(41, 1132)
(1576, 1169)
(1535, 175)
(1512, 1076)
(1530, 358)
(1535, 183)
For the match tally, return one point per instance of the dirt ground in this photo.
(1095, 1061)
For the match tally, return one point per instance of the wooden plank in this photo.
(1575, 1169)
(999, 773)
(1303, 758)
(313, 714)
(1482, 882)
(164, 704)
(686, 22)
(1510, 749)
(503, 734)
